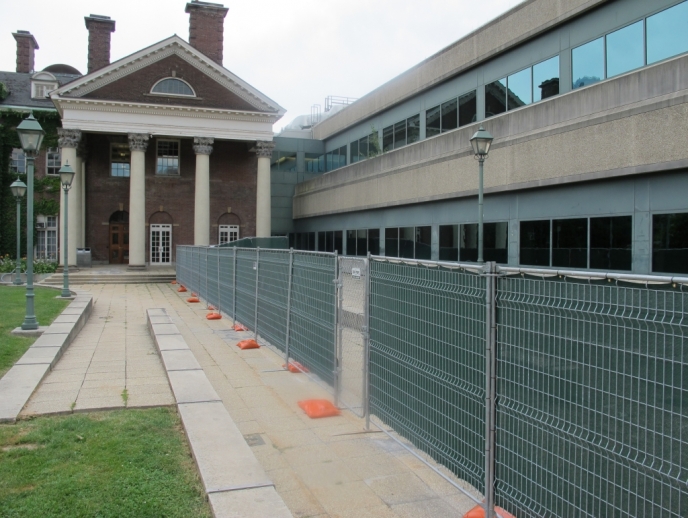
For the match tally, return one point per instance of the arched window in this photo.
(173, 86)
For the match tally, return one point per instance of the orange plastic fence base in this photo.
(240, 327)
(317, 408)
(213, 316)
(192, 299)
(173, 282)
(479, 512)
(295, 367)
(248, 344)
(181, 289)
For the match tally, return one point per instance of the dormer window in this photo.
(42, 83)
(173, 86)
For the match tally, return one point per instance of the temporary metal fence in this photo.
(548, 393)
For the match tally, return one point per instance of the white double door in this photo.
(160, 244)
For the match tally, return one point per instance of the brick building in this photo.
(168, 146)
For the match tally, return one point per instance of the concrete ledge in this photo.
(234, 480)
(20, 382)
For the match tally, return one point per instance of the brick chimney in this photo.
(206, 28)
(99, 29)
(26, 45)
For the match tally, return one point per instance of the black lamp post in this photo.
(66, 177)
(18, 189)
(481, 142)
(31, 136)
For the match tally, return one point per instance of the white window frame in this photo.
(56, 161)
(193, 92)
(46, 228)
(162, 228)
(17, 155)
(178, 157)
(122, 144)
(231, 231)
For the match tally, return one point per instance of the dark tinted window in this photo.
(392, 242)
(423, 242)
(388, 138)
(400, 134)
(570, 243)
(406, 242)
(610, 243)
(350, 242)
(468, 108)
(449, 242)
(495, 242)
(535, 239)
(374, 241)
(588, 63)
(450, 116)
(413, 129)
(670, 243)
(495, 98)
(667, 33)
(432, 122)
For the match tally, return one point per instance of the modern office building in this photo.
(588, 104)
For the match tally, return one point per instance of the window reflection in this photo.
(535, 239)
(495, 242)
(450, 119)
(588, 63)
(432, 122)
(666, 33)
(468, 108)
(625, 49)
(610, 243)
(449, 242)
(670, 243)
(570, 243)
(546, 79)
(400, 134)
(520, 89)
(495, 98)
(413, 129)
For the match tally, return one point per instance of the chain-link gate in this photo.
(352, 333)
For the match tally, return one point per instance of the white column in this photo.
(75, 214)
(138, 142)
(68, 140)
(83, 201)
(263, 196)
(203, 147)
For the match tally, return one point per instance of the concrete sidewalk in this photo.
(322, 467)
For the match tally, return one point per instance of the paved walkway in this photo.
(323, 467)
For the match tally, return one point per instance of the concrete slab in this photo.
(224, 459)
(60, 328)
(154, 312)
(164, 329)
(263, 501)
(181, 360)
(52, 340)
(72, 311)
(171, 342)
(66, 319)
(34, 355)
(29, 332)
(160, 319)
(16, 388)
(192, 387)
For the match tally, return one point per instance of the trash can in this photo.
(83, 257)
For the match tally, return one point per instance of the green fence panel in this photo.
(225, 301)
(246, 265)
(273, 287)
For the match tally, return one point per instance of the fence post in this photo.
(206, 275)
(234, 285)
(366, 348)
(219, 288)
(255, 326)
(337, 299)
(490, 270)
(286, 340)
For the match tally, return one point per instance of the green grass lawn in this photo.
(123, 463)
(12, 311)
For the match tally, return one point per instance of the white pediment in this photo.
(168, 47)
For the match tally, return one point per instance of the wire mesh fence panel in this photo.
(351, 308)
(201, 285)
(592, 399)
(195, 266)
(273, 287)
(312, 340)
(181, 265)
(246, 267)
(213, 269)
(225, 301)
(427, 361)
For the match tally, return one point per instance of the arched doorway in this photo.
(228, 228)
(119, 238)
(160, 224)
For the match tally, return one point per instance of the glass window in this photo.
(374, 241)
(450, 116)
(328, 161)
(406, 241)
(670, 243)
(413, 129)
(228, 233)
(338, 240)
(400, 134)
(342, 156)
(373, 144)
(449, 242)
(312, 163)
(520, 89)
(363, 148)
(468, 108)
(625, 49)
(535, 239)
(53, 161)
(322, 241)
(570, 243)
(354, 152)
(588, 63)
(495, 242)
(173, 86)
(546, 79)
(168, 157)
(392, 242)
(423, 242)
(432, 122)
(610, 243)
(120, 157)
(287, 161)
(321, 163)
(351, 236)
(361, 242)
(667, 33)
(495, 98)
(388, 139)
(18, 161)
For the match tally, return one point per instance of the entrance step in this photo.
(145, 277)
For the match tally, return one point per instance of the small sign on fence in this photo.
(356, 273)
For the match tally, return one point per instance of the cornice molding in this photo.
(174, 46)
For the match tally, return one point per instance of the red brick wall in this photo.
(136, 87)
(206, 30)
(26, 45)
(232, 184)
(98, 43)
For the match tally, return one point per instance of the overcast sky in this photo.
(297, 52)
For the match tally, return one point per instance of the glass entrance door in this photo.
(161, 244)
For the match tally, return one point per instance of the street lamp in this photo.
(66, 177)
(31, 137)
(18, 189)
(481, 142)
